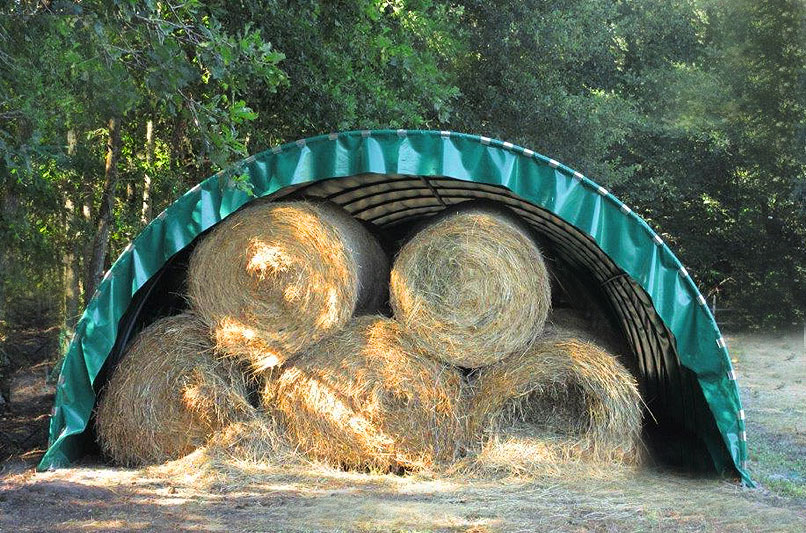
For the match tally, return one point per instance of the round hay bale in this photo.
(276, 277)
(576, 395)
(168, 394)
(472, 287)
(366, 399)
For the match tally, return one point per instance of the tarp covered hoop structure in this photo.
(388, 176)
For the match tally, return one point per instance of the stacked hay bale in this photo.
(276, 277)
(279, 289)
(472, 287)
(169, 394)
(368, 398)
(574, 396)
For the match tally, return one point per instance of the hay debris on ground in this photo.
(236, 453)
(276, 277)
(471, 287)
(524, 450)
(576, 399)
(365, 398)
(168, 394)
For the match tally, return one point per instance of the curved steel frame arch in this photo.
(621, 234)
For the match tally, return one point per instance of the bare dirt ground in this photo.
(247, 497)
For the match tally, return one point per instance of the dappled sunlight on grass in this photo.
(315, 496)
(771, 379)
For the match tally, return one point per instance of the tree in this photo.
(101, 63)
(692, 112)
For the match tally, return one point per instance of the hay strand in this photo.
(168, 394)
(472, 287)
(366, 399)
(276, 277)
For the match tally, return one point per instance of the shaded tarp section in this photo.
(546, 188)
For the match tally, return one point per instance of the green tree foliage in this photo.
(544, 75)
(356, 64)
(692, 111)
(67, 69)
(720, 152)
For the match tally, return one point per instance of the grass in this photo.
(771, 373)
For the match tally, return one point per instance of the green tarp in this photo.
(622, 235)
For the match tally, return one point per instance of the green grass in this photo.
(779, 464)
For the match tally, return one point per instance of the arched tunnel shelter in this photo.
(395, 178)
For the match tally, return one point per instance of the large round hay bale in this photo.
(579, 397)
(472, 287)
(276, 277)
(366, 399)
(168, 394)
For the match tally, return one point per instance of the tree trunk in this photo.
(9, 207)
(84, 242)
(131, 193)
(69, 258)
(70, 271)
(100, 243)
(145, 213)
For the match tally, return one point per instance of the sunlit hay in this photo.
(258, 439)
(526, 451)
(168, 394)
(366, 399)
(235, 455)
(276, 277)
(472, 287)
(579, 400)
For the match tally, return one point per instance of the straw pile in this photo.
(472, 287)
(365, 398)
(168, 395)
(576, 397)
(275, 277)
